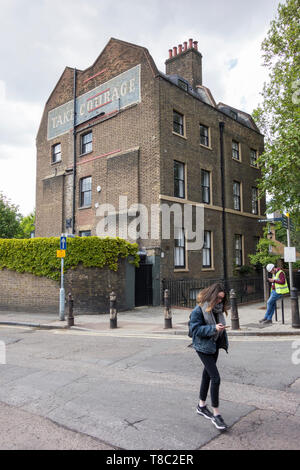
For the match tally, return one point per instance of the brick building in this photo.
(154, 139)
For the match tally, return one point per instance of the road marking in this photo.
(120, 334)
(17, 327)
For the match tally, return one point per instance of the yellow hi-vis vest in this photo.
(281, 288)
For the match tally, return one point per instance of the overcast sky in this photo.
(38, 38)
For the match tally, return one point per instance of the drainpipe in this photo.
(225, 274)
(74, 154)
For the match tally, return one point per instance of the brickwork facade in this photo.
(90, 288)
(133, 151)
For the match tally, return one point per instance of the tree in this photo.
(279, 115)
(27, 226)
(263, 256)
(9, 218)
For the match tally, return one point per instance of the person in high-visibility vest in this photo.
(279, 286)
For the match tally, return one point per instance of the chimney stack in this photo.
(186, 61)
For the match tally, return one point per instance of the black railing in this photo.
(183, 292)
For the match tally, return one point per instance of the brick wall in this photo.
(90, 288)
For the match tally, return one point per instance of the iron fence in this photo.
(183, 292)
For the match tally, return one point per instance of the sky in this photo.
(39, 38)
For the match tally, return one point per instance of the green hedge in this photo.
(38, 255)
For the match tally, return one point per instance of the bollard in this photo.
(70, 314)
(295, 308)
(282, 309)
(168, 313)
(113, 310)
(235, 324)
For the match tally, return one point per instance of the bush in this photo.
(38, 255)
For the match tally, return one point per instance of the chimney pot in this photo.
(175, 51)
(170, 53)
(196, 45)
(185, 45)
(180, 48)
(190, 43)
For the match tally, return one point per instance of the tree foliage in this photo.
(278, 116)
(263, 256)
(10, 218)
(26, 226)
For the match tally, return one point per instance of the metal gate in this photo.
(143, 285)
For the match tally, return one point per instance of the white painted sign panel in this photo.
(118, 93)
(289, 254)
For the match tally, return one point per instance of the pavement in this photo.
(150, 320)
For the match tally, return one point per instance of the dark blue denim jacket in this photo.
(203, 334)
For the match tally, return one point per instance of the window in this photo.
(235, 150)
(86, 143)
(179, 250)
(178, 125)
(254, 200)
(204, 135)
(206, 256)
(56, 153)
(85, 233)
(238, 250)
(236, 195)
(86, 191)
(179, 183)
(253, 157)
(183, 85)
(205, 185)
(256, 241)
(233, 114)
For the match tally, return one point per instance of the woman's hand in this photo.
(220, 327)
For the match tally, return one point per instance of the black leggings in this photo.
(210, 374)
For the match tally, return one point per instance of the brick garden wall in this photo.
(90, 288)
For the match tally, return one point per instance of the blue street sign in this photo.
(63, 243)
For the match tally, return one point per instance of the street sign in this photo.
(60, 253)
(63, 243)
(289, 254)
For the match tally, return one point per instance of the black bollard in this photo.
(168, 313)
(70, 313)
(235, 323)
(113, 310)
(295, 308)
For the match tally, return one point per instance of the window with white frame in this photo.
(235, 150)
(178, 123)
(86, 191)
(204, 135)
(56, 153)
(86, 143)
(206, 252)
(238, 249)
(179, 179)
(179, 248)
(237, 195)
(253, 157)
(205, 186)
(254, 200)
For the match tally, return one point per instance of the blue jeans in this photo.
(271, 304)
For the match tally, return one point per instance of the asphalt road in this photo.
(63, 389)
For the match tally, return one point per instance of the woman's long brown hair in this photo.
(210, 295)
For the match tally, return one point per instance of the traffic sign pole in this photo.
(63, 246)
(288, 232)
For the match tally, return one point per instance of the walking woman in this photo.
(207, 327)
